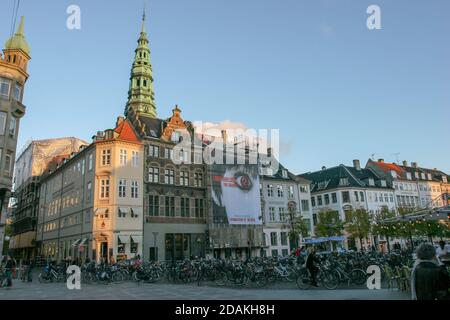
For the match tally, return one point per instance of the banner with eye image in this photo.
(236, 197)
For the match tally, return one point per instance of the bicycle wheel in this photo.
(358, 277)
(329, 280)
(303, 279)
(221, 279)
(291, 275)
(117, 277)
(261, 280)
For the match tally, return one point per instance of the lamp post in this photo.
(155, 235)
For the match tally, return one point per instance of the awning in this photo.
(26, 239)
(124, 239)
(321, 240)
(74, 244)
(13, 242)
(137, 238)
(82, 243)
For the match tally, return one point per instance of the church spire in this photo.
(141, 96)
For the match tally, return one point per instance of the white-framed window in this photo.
(168, 153)
(271, 214)
(122, 188)
(5, 88)
(106, 157)
(281, 213)
(273, 239)
(123, 157)
(13, 126)
(3, 116)
(198, 180)
(153, 174)
(280, 192)
(134, 189)
(153, 151)
(184, 178)
(284, 174)
(89, 188)
(17, 92)
(8, 162)
(291, 192)
(104, 188)
(90, 162)
(169, 176)
(303, 189)
(305, 205)
(270, 190)
(135, 158)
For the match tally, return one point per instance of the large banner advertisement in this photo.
(235, 194)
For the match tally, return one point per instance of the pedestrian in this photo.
(441, 252)
(429, 281)
(311, 265)
(9, 265)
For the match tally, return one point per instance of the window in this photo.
(153, 175)
(123, 157)
(106, 157)
(3, 116)
(314, 219)
(361, 196)
(153, 151)
(199, 208)
(334, 197)
(169, 176)
(168, 153)
(175, 136)
(90, 162)
(122, 188)
(383, 183)
(275, 253)
(291, 192)
(283, 238)
(305, 205)
(198, 180)
(5, 86)
(134, 158)
(8, 162)
(184, 178)
(345, 196)
(17, 92)
(281, 213)
(371, 182)
(271, 214)
(185, 207)
(327, 199)
(343, 182)
(391, 197)
(356, 196)
(319, 200)
(386, 198)
(313, 201)
(304, 189)
(89, 188)
(153, 206)
(13, 127)
(280, 191)
(284, 174)
(273, 239)
(170, 206)
(104, 188)
(270, 190)
(134, 189)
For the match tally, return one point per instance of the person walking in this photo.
(311, 265)
(429, 280)
(9, 265)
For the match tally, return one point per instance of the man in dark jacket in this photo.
(429, 280)
(311, 266)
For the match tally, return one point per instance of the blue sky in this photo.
(336, 90)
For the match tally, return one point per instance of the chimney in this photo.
(357, 164)
(224, 136)
(414, 165)
(405, 163)
(269, 152)
(381, 160)
(324, 168)
(119, 121)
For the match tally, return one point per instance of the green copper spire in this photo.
(141, 96)
(18, 42)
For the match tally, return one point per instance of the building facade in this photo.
(282, 193)
(91, 205)
(13, 76)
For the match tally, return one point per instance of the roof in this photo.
(126, 132)
(330, 178)
(17, 41)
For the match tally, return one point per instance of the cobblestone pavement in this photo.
(163, 291)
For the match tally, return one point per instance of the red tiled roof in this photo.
(388, 167)
(126, 132)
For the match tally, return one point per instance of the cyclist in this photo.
(311, 265)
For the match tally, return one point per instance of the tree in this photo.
(297, 225)
(357, 224)
(381, 228)
(329, 225)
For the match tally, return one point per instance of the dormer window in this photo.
(383, 183)
(444, 179)
(416, 175)
(430, 177)
(371, 182)
(175, 136)
(284, 174)
(423, 176)
(322, 185)
(394, 174)
(408, 176)
(343, 182)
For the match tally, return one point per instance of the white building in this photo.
(281, 193)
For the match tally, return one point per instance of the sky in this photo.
(336, 90)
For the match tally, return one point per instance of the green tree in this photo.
(357, 224)
(329, 225)
(382, 228)
(298, 227)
